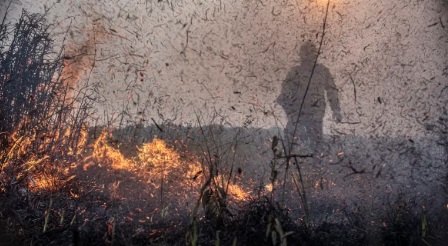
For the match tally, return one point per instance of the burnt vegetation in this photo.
(65, 182)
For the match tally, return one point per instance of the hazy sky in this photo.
(169, 59)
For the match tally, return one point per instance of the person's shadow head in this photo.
(308, 53)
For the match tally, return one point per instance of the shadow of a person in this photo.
(309, 129)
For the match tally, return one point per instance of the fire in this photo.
(160, 160)
(104, 154)
(237, 192)
(43, 161)
(169, 175)
(156, 160)
(159, 165)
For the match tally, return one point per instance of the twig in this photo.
(354, 86)
(158, 127)
(354, 170)
(188, 31)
